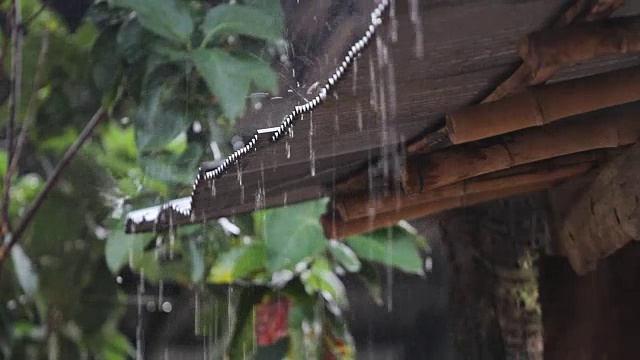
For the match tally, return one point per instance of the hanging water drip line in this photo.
(183, 207)
(287, 123)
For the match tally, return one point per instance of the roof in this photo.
(421, 65)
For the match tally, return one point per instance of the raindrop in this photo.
(359, 115)
(12, 305)
(389, 301)
(139, 334)
(373, 100)
(259, 199)
(196, 127)
(151, 306)
(119, 279)
(196, 311)
(394, 22)
(160, 292)
(428, 264)
(354, 85)
(239, 175)
(416, 20)
(312, 160)
(167, 307)
(288, 149)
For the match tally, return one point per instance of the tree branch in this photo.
(14, 102)
(51, 182)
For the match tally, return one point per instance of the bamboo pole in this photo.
(360, 206)
(542, 105)
(335, 228)
(546, 50)
(601, 130)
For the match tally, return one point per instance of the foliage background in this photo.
(173, 76)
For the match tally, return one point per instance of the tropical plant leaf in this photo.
(238, 263)
(121, 248)
(292, 234)
(320, 279)
(169, 19)
(25, 271)
(240, 19)
(161, 118)
(106, 62)
(229, 78)
(370, 279)
(392, 247)
(345, 256)
(173, 168)
(131, 41)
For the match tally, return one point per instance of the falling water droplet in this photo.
(239, 175)
(160, 292)
(312, 159)
(394, 21)
(359, 115)
(139, 334)
(354, 85)
(287, 146)
(416, 20)
(389, 270)
(196, 311)
(373, 98)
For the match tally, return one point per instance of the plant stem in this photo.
(14, 102)
(51, 182)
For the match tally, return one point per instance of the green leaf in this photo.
(174, 168)
(157, 267)
(229, 78)
(238, 263)
(196, 255)
(370, 278)
(392, 247)
(4, 162)
(292, 234)
(106, 62)
(244, 20)
(320, 279)
(117, 347)
(273, 8)
(169, 19)
(344, 255)
(160, 119)
(131, 40)
(122, 248)
(305, 314)
(25, 272)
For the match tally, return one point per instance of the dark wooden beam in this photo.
(603, 216)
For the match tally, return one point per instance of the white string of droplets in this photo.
(289, 120)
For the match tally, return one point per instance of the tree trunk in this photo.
(492, 252)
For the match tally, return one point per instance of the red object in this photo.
(272, 323)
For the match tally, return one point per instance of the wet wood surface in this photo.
(467, 48)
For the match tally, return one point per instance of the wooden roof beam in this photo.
(542, 105)
(599, 130)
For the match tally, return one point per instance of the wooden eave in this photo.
(469, 47)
